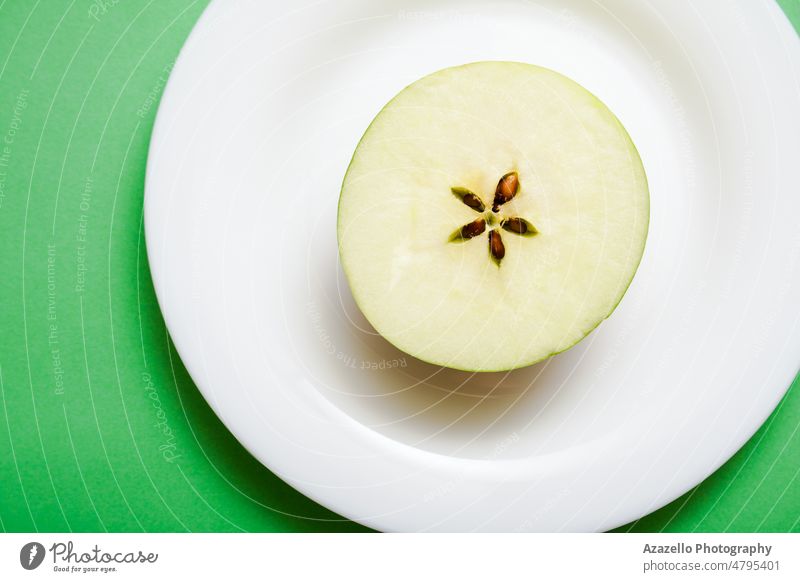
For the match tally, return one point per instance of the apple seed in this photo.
(473, 229)
(507, 188)
(496, 246)
(469, 198)
(519, 226)
(470, 230)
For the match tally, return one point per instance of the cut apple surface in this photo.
(493, 215)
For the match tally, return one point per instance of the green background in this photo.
(89, 381)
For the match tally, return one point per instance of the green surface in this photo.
(101, 427)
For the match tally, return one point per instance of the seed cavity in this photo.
(496, 247)
(507, 188)
(469, 198)
(470, 230)
(519, 226)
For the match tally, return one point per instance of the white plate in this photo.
(258, 123)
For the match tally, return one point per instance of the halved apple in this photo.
(492, 216)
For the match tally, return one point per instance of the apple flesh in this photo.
(493, 215)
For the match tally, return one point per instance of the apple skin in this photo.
(457, 364)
